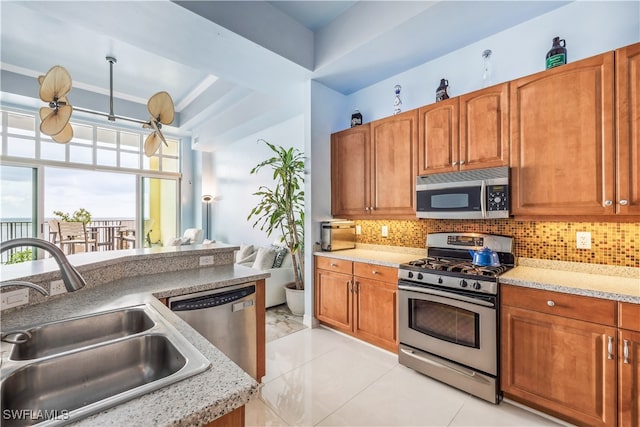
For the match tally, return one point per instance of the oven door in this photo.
(454, 326)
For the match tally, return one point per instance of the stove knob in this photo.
(420, 276)
(410, 274)
(440, 280)
(463, 283)
(477, 285)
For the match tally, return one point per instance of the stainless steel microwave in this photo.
(472, 194)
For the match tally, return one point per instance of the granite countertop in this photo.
(193, 401)
(390, 256)
(593, 280)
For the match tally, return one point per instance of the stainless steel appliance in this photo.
(448, 312)
(472, 194)
(227, 318)
(338, 235)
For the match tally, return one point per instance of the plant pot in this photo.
(295, 299)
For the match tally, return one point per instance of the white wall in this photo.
(589, 28)
(233, 185)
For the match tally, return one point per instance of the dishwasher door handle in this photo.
(239, 306)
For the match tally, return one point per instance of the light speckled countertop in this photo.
(194, 401)
(595, 280)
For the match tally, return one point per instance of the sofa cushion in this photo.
(245, 254)
(281, 253)
(264, 258)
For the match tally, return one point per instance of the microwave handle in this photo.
(483, 199)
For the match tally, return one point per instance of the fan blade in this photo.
(151, 144)
(54, 123)
(40, 80)
(153, 124)
(56, 84)
(160, 107)
(44, 112)
(64, 136)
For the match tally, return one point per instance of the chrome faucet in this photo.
(38, 288)
(71, 278)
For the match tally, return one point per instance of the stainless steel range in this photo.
(448, 311)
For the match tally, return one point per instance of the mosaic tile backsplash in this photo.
(611, 243)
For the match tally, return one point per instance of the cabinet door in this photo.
(559, 365)
(484, 128)
(350, 172)
(562, 151)
(333, 299)
(394, 160)
(629, 378)
(438, 142)
(628, 137)
(376, 312)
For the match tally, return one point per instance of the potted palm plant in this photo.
(281, 210)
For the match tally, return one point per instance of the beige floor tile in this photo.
(402, 397)
(257, 414)
(476, 412)
(307, 394)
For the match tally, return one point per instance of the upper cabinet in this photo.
(627, 195)
(374, 168)
(562, 140)
(575, 138)
(467, 132)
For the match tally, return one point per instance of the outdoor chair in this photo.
(74, 233)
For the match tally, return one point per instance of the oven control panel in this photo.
(442, 279)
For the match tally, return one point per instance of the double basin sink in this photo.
(70, 369)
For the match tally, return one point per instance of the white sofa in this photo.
(191, 236)
(258, 258)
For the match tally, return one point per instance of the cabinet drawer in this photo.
(589, 309)
(629, 316)
(375, 272)
(333, 264)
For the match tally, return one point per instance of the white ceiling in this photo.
(233, 67)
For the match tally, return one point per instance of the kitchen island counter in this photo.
(197, 400)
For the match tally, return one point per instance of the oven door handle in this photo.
(466, 372)
(483, 199)
(447, 295)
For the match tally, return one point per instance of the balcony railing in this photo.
(13, 229)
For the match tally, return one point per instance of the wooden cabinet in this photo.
(350, 172)
(373, 168)
(359, 299)
(558, 354)
(576, 127)
(627, 195)
(629, 365)
(467, 132)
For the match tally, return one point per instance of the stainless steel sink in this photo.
(58, 337)
(139, 352)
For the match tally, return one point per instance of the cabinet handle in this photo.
(356, 287)
(608, 203)
(462, 162)
(350, 285)
(454, 163)
(333, 265)
(626, 351)
(550, 303)
(366, 209)
(610, 349)
(623, 202)
(374, 272)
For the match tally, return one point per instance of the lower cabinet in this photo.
(628, 364)
(559, 354)
(359, 299)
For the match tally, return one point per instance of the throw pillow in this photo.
(244, 252)
(281, 253)
(264, 259)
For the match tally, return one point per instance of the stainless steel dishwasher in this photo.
(227, 318)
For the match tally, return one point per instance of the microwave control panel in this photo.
(497, 198)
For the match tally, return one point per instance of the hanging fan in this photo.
(160, 107)
(54, 86)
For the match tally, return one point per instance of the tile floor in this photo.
(317, 377)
